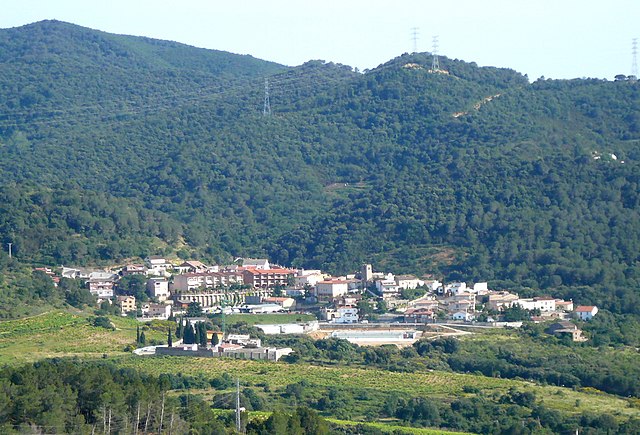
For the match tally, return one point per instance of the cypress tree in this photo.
(138, 334)
(214, 339)
(143, 339)
(203, 334)
(196, 338)
(188, 334)
(169, 338)
(180, 328)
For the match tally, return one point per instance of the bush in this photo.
(103, 322)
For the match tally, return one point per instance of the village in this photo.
(367, 307)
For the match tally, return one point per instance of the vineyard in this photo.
(430, 384)
(61, 333)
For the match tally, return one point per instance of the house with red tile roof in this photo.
(586, 312)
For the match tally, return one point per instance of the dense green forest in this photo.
(115, 147)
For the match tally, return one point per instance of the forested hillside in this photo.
(115, 146)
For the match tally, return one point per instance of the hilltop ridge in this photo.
(114, 146)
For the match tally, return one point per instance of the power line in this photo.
(165, 103)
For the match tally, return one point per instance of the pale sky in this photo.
(551, 38)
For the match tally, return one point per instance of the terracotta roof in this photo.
(585, 308)
(268, 271)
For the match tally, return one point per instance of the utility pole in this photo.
(238, 424)
(266, 111)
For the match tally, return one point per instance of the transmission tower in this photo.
(266, 111)
(414, 37)
(634, 61)
(435, 65)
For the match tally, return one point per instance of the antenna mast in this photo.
(634, 62)
(414, 37)
(266, 111)
(435, 65)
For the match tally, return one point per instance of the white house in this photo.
(586, 312)
(456, 287)
(157, 265)
(346, 315)
(256, 263)
(544, 304)
(158, 311)
(462, 315)
(101, 284)
(387, 287)
(408, 282)
(433, 285)
(480, 287)
(308, 278)
(158, 288)
(562, 305)
(330, 289)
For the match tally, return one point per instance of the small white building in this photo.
(480, 288)
(463, 315)
(544, 304)
(346, 315)
(157, 265)
(158, 311)
(586, 312)
(330, 289)
(387, 287)
(262, 309)
(456, 287)
(433, 285)
(256, 263)
(158, 288)
(408, 282)
(305, 278)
